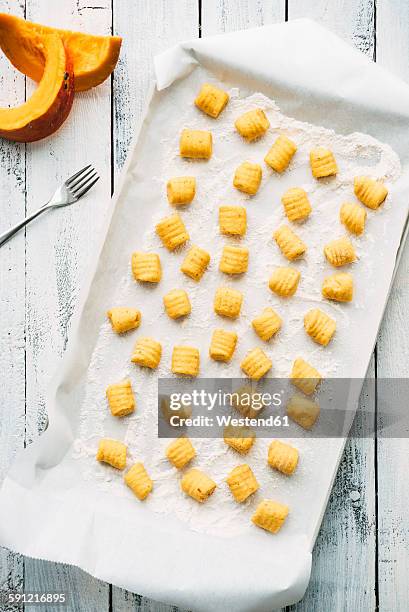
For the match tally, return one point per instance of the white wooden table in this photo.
(361, 557)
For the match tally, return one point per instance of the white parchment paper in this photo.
(57, 502)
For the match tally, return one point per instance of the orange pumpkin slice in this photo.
(51, 102)
(93, 57)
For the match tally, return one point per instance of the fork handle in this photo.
(16, 228)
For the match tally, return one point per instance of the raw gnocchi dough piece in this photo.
(137, 479)
(147, 352)
(183, 412)
(180, 452)
(196, 144)
(198, 485)
(369, 191)
(284, 281)
(304, 376)
(234, 260)
(323, 162)
(112, 452)
(121, 398)
(246, 401)
(338, 287)
(181, 190)
(353, 217)
(253, 124)
(222, 345)
(195, 263)
(124, 319)
(177, 303)
(256, 364)
(267, 324)
(319, 326)
(303, 411)
(242, 482)
(282, 457)
(227, 302)
(247, 178)
(240, 439)
(270, 515)
(289, 243)
(172, 232)
(296, 204)
(232, 220)
(280, 154)
(211, 100)
(185, 360)
(146, 267)
(340, 252)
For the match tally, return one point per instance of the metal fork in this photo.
(69, 192)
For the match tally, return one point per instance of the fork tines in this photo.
(79, 183)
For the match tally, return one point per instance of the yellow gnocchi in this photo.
(353, 217)
(240, 439)
(181, 190)
(121, 398)
(196, 144)
(267, 324)
(147, 352)
(282, 457)
(222, 345)
(177, 303)
(280, 154)
(304, 376)
(247, 178)
(172, 232)
(183, 412)
(234, 260)
(289, 243)
(296, 204)
(319, 326)
(253, 124)
(284, 281)
(242, 482)
(256, 364)
(270, 515)
(195, 263)
(138, 480)
(197, 485)
(211, 100)
(185, 360)
(112, 452)
(228, 302)
(322, 163)
(369, 191)
(338, 287)
(303, 411)
(180, 452)
(124, 319)
(340, 252)
(146, 267)
(232, 220)
(247, 402)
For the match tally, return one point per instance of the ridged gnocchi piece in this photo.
(303, 411)
(146, 267)
(247, 178)
(240, 439)
(198, 485)
(196, 144)
(112, 452)
(253, 124)
(267, 324)
(247, 402)
(304, 376)
(183, 412)
(138, 480)
(185, 360)
(181, 190)
(296, 204)
(124, 319)
(256, 364)
(270, 515)
(242, 482)
(282, 457)
(338, 287)
(289, 243)
(172, 232)
(180, 452)
(147, 352)
(195, 263)
(177, 303)
(121, 398)
(222, 345)
(369, 191)
(232, 220)
(340, 252)
(319, 326)
(211, 100)
(234, 260)
(228, 302)
(284, 281)
(353, 217)
(323, 162)
(280, 154)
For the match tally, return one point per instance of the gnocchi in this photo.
(291, 246)
(197, 485)
(232, 220)
(280, 154)
(181, 190)
(180, 452)
(247, 178)
(304, 376)
(124, 319)
(223, 345)
(353, 217)
(234, 260)
(172, 232)
(146, 267)
(267, 324)
(256, 364)
(211, 100)
(323, 163)
(370, 192)
(319, 326)
(147, 353)
(284, 281)
(303, 411)
(177, 303)
(338, 287)
(240, 439)
(195, 263)
(112, 452)
(185, 360)
(340, 252)
(253, 124)
(282, 457)
(296, 204)
(196, 144)
(270, 515)
(242, 482)
(227, 302)
(138, 480)
(121, 398)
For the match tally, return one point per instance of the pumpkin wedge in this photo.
(93, 57)
(51, 102)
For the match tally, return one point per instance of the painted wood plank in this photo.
(230, 15)
(392, 52)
